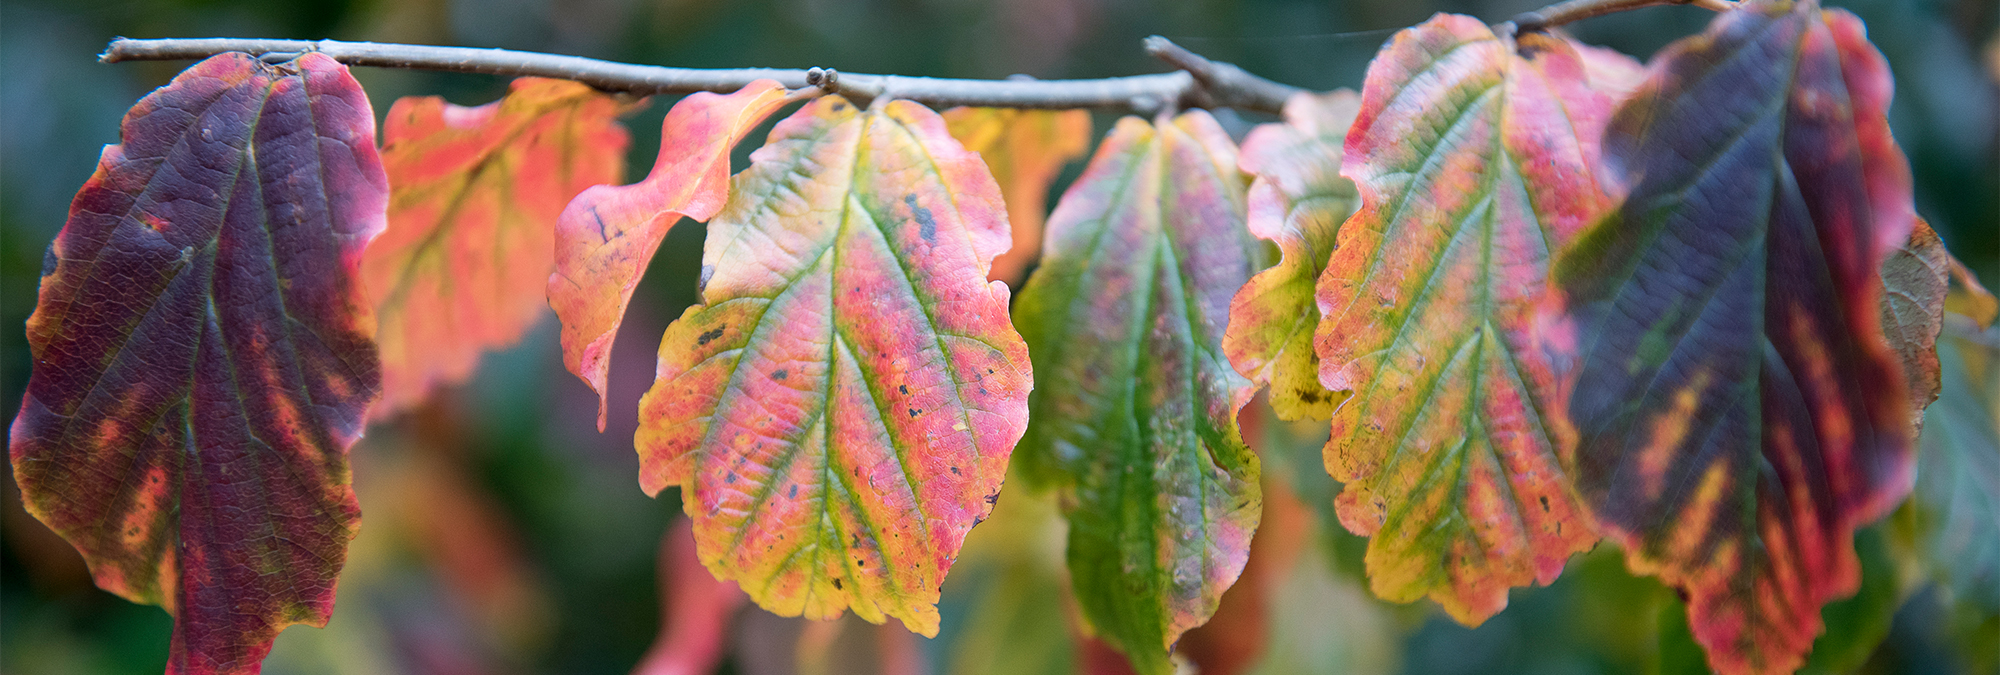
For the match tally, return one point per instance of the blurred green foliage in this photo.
(502, 534)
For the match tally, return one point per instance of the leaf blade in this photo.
(206, 280)
(1024, 149)
(1733, 300)
(1298, 201)
(1475, 160)
(850, 370)
(1127, 311)
(474, 201)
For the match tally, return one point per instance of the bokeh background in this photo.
(503, 534)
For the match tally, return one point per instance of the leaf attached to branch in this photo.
(840, 409)
(1735, 412)
(1125, 320)
(474, 197)
(203, 354)
(1476, 157)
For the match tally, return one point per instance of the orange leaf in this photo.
(1024, 149)
(475, 194)
(606, 235)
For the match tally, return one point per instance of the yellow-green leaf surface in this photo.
(1297, 201)
(840, 408)
(1125, 319)
(474, 197)
(1024, 149)
(1474, 154)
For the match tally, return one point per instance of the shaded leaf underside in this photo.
(606, 236)
(1475, 163)
(1298, 201)
(203, 356)
(841, 408)
(1125, 319)
(463, 266)
(1737, 414)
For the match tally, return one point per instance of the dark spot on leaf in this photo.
(708, 337)
(1310, 396)
(860, 563)
(993, 498)
(1545, 507)
(731, 479)
(903, 388)
(954, 471)
(781, 374)
(794, 492)
(836, 583)
(926, 222)
(49, 260)
(914, 412)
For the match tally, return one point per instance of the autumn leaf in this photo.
(203, 356)
(1915, 278)
(1297, 201)
(1735, 412)
(472, 212)
(840, 408)
(1475, 156)
(1125, 320)
(1024, 149)
(1609, 70)
(607, 235)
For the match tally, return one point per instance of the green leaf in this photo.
(1297, 201)
(840, 408)
(1735, 412)
(1958, 471)
(1475, 158)
(203, 357)
(1125, 320)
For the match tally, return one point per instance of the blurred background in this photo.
(503, 534)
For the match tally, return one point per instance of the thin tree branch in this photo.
(1577, 10)
(1200, 83)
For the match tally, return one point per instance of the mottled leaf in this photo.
(607, 235)
(472, 212)
(1958, 474)
(840, 409)
(1125, 320)
(1024, 149)
(1735, 413)
(1915, 278)
(1474, 155)
(1298, 201)
(203, 356)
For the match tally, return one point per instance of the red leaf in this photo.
(1734, 410)
(607, 235)
(202, 354)
(1474, 156)
(464, 263)
(840, 409)
(695, 610)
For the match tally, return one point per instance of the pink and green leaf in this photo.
(1735, 411)
(203, 354)
(1475, 156)
(474, 197)
(1024, 149)
(840, 409)
(607, 235)
(1297, 201)
(1125, 320)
